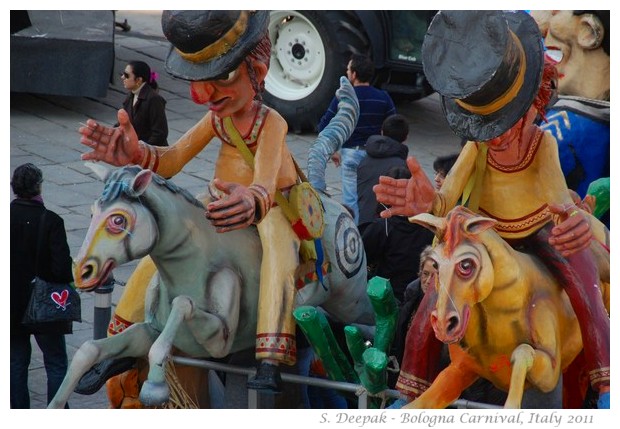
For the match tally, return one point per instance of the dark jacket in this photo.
(148, 116)
(54, 260)
(395, 255)
(383, 154)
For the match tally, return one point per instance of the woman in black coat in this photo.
(146, 108)
(54, 264)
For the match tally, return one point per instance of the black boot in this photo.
(267, 379)
(95, 378)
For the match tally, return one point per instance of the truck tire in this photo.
(310, 51)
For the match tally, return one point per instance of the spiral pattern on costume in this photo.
(349, 246)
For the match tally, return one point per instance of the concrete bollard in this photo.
(103, 308)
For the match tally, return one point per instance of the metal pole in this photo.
(103, 308)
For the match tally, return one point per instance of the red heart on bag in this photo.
(60, 298)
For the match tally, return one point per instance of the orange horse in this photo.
(502, 312)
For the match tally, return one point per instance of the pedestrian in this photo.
(375, 106)
(442, 166)
(384, 151)
(412, 296)
(393, 245)
(53, 264)
(144, 105)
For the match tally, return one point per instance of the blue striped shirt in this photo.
(375, 106)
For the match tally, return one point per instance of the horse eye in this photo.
(116, 224)
(465, 268)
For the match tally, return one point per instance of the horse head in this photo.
(466, 274)
(115, 235)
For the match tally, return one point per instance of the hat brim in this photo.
(486, 127)
(181, 68)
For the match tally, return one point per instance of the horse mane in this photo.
(117, 184)
(454, 232)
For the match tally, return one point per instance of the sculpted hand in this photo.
(572, 232)
(234, 211)
(406, 197)
(117, 146)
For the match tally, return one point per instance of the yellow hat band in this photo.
(510, 93)
(220, 46)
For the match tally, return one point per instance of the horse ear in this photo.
(477, 225)
(140, 182)
(428, 221)
(100, 170)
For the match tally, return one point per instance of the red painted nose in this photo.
(201, 92)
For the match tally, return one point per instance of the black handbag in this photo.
(51, 302)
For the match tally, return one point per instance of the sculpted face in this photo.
(574, 42)
(228, 96)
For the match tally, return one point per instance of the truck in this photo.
(311, 49)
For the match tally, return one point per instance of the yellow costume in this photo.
(512, 194)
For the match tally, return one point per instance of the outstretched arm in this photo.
(331, 138)
(116, 146)
(406, 197)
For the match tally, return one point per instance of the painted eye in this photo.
(230, 77)
(117, 223)
(465, 268)
(554, 55)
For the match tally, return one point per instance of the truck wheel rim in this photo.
(297, 56)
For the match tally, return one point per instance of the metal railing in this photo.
(357, 389)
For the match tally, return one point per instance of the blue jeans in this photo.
(315, 397)
(350, 159)
(55, 360)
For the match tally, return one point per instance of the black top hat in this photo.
(487, 66)
(209, 44)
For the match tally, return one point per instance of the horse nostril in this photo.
(453, 322)
(87, 271)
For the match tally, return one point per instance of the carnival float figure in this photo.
(225, 56)
(504, 315)
(578, 41)
(488, 68)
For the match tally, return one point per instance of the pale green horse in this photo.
(205, 299)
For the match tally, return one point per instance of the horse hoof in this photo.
(153, 393)
(96, 377)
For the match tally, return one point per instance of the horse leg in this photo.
(522, 360)
(446, 388)
(133, 342)
(215, 331)
(155, 390)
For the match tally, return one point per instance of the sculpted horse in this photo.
(502, 312)
(204, 300)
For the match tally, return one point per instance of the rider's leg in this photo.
(130, 308)
(581, 280)
(422, 356)
(275, 333)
